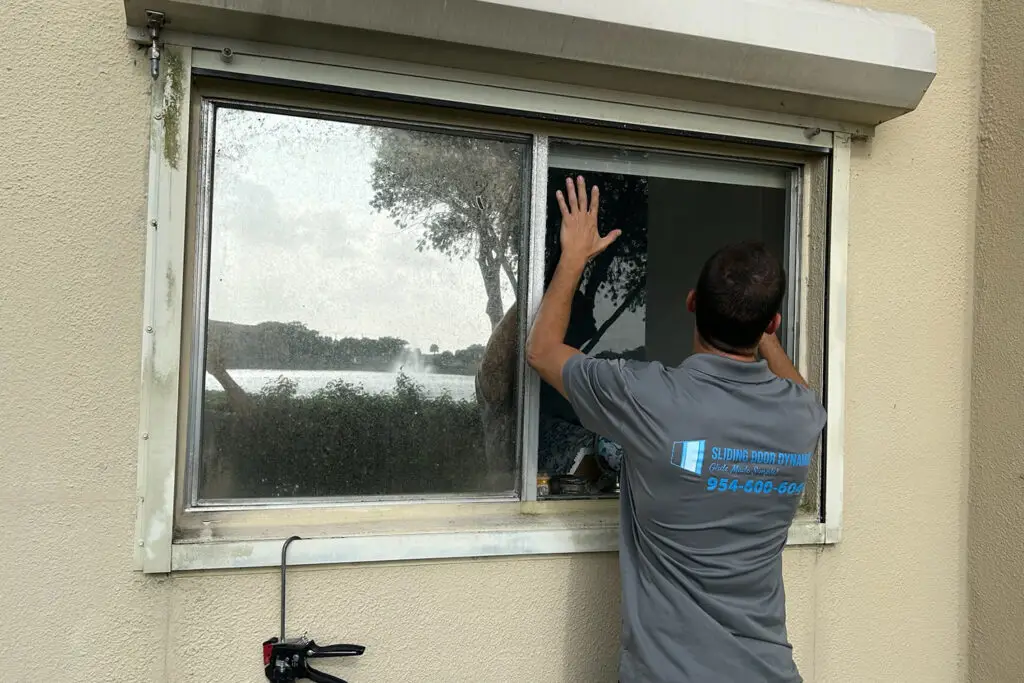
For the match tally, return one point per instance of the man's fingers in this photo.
(581, 193)
(561, 204)
(594, 197)
(571, 191)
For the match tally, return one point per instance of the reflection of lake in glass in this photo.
(308, 382)
(347, 252)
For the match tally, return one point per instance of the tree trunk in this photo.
(616, 314)
(237, 398)
(490, 270)
(507, 268)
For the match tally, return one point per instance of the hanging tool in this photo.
(154, 24)
(285, 661)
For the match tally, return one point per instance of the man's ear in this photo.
(773, 326)
(691, 301)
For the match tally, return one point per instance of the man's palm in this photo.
(579, 235)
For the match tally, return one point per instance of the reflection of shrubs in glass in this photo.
(342, 441)
(282, 387)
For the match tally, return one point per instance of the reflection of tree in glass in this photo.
(620, 273)
(465, 193)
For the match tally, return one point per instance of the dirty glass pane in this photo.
(357, 274)
(674, 211)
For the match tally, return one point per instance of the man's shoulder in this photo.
(626, 366)
(803, 403)
(642, 379)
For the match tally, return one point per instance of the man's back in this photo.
(717, 454)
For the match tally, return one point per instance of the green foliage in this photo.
(462, 362)
(293, 346)
(458, 189)
(341, 441)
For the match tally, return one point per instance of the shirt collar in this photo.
(729, 369)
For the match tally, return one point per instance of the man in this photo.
(716, 455)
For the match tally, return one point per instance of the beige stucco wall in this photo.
(997, 426)
(888, 604)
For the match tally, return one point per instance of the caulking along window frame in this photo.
(814, 170)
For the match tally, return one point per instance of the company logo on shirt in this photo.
(688, 455)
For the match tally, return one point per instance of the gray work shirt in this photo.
(717, 453)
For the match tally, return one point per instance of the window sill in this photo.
(595, 532)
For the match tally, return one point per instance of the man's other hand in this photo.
(770, 349)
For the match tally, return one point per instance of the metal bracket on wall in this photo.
(154, 23)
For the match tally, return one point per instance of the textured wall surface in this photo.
(888, 604)
(997, 427)
(891, 600)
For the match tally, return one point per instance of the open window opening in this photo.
(674, 211)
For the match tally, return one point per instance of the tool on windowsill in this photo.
(286, 661)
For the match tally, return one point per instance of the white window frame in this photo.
(464, 530)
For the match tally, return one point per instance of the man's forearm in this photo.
(555, 307)
(546, 349)
(771, 350)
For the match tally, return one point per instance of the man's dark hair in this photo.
(739, 291)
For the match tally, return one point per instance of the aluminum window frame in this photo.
(453, 529)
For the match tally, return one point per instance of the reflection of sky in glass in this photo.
(295, 239)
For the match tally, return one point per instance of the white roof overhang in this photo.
(805, 57)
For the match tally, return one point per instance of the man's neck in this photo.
(701, 346)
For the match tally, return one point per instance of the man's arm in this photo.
(546, 349)
(771, 350)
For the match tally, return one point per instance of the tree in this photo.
(434, 348)
(464, 193)
(620, 272)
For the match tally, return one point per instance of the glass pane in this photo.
(357, 273)
(674, 211)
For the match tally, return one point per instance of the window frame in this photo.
(198, 234)
(405, 530)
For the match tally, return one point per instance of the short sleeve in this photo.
(604, 394)
(819, 414)
(812, 412)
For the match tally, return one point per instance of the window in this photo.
(340, 289)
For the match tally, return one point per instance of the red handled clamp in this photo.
(287, 661)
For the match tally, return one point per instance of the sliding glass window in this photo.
(357, 284)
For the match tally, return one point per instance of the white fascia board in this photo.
(814, 48)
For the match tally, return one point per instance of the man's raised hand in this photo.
(580, 238)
